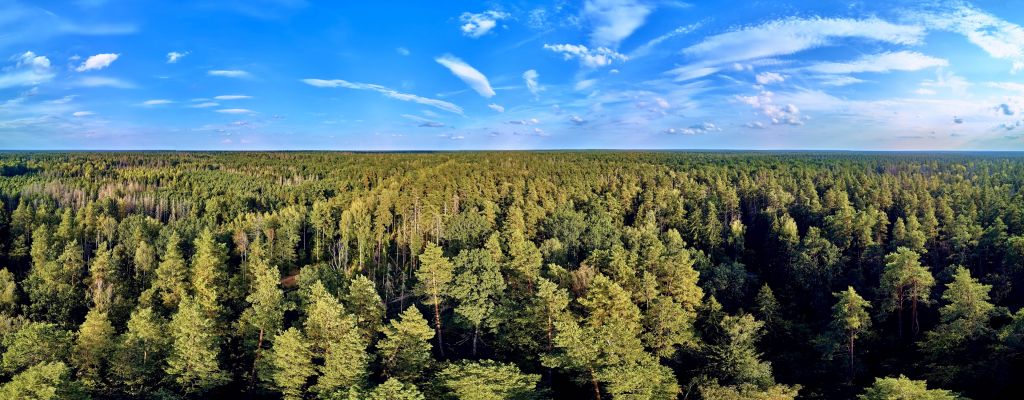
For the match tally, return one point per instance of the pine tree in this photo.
(394, 389)
(292, 363)
(434, 275)
(477, 286)
(903, 388)
(905, 279)
(208, 274)
(265, 315)
(405, 348)
(488, 380)
(193, 361)
(366, 306)
(141, 352)
(44, 381)
(92, 349)
(850, 319)
(170, 285)
(956, 350)
(334, 338)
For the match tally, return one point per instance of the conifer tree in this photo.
(292, 363)
(434, 275)
(405, 348)
(849, 320)
(93, 348)
(193, 362)
(366, 306)
(208, 274)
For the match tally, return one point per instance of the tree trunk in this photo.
(437, 326)
(597, 387)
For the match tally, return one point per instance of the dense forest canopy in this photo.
(512, 275)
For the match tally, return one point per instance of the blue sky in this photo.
(296, 74)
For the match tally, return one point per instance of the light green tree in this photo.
(405, 348)
(193, 361)
(292, 362)
(488, 380)
(433, 276)
(902, 388)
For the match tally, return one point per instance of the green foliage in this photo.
(488, 380)
(292, 362)
(43, 381)
(405, 349)
(902, 388)
(393, 389)
(35, 343)
(193, 360)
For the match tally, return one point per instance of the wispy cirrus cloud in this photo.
(478, 24)
(29, 69)
(232, 97)
(475, 79)
(999, 38)
(614, 20)
(236, 111)
(104, 81)
(592, 58)
(156, 102)
(387, 92)
(174, 56)
(530, 78)
(229, 73)
(883, 62)
(788, 36)
(98, 62)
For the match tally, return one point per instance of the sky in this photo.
(457, 75)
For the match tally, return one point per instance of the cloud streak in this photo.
(475, 79)
(387, 92)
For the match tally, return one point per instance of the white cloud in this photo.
(530, 78)
(402, 51)
(997, 37)
(207, 104)
(103, 81)
(614, 20)
(837, 80)
(766, 78)
(947, 80)
(156, 102)
(235, 111)
(531, 121)
(232, 97)
(496, 107)
(1008, 86)
(576, 119)
(788, 114)
(925, 92)
(695, 129)
(754, 125)
(692, 72)
(662, 103)
(423, 122)
(174, 56)
(476, 80)
(97, 62)
(593, 58)
(788, 36)
(29, 70)
(79, 114)
(477, 25)
(229, 73)
(884, 62)
(391, 93)
(646, 48)
(585, 84)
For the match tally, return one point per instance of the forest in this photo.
(512, 275)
